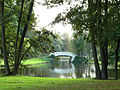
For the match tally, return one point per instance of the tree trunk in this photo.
(25, 54)
(17, 36)
(7, 69)
(118, 42)
(117, 58)
(16, 67)
(103, 38)
(1, 50)
(104, 62)
(92, 30)
(104, 46)
(97, 67)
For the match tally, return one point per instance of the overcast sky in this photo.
(46, 16)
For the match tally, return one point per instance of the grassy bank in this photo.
(31, 61)
(1, 61)
(92, 61)
(35, 61)
(37, 83)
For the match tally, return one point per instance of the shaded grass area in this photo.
(37, 83)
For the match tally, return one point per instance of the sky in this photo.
(46, 16)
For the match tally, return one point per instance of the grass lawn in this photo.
(38, 83)
(35, 61)
(30, 61)
(1, 61)
(92, 61)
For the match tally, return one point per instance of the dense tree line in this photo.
(77, 45)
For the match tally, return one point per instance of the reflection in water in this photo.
(63, 69)
(89, 71)
(85, 71)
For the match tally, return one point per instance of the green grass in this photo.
(118, 63)
(34, 61)
(92, 61)
(1, 61)
(37, 83)
(30, 61)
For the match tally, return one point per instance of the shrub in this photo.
(79, 60)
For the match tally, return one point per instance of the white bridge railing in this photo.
(64, 54)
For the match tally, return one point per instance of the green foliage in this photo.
(40, 41)
(81, 47)
(112, 58)
(79, 60)
(52, 56)
(58, 44)
(12, 11)
(78, 45)
(62, 43)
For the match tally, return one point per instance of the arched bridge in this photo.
(72, 55)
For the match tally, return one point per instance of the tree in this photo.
(18, 60)
(58, 43)
(42, 42)
(17, 36)
(103, 39)
(7, 69)
(92, 33)
(118, 42)
(4, 16)
(19, 42)
(66, 42)
(78, 45)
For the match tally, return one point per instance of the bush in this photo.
(79, 60)
(52, 56)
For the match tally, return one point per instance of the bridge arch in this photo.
(72, 55)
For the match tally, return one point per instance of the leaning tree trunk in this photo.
(16, 67)
(97, 67)
(7, 69)
(17, 36)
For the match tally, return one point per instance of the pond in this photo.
(62, 69)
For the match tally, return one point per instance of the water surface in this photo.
(62, 69)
